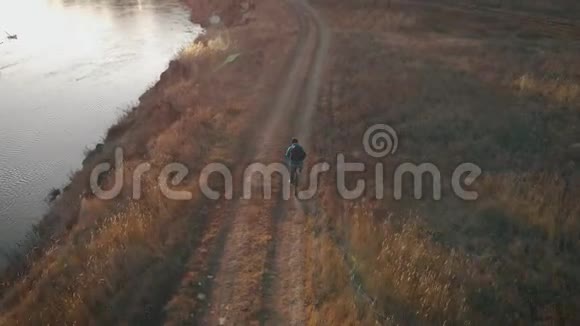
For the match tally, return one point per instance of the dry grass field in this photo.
(459, 84)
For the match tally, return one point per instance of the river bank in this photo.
(87, 253)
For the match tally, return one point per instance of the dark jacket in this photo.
(292, 149)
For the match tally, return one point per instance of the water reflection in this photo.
(75, 63)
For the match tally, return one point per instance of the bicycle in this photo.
(294, 177)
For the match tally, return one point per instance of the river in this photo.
(74, 68)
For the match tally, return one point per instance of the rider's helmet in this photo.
(294, 141)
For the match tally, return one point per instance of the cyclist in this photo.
(295, 156)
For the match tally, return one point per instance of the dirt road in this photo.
(260, 271)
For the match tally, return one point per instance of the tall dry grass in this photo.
(563, 91)
(446, 84)
(330, 283)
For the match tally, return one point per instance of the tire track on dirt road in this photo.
(237, 295)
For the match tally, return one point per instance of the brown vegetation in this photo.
(458, 86)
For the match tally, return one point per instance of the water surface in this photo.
(73, 69)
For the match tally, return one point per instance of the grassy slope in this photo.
(109, 250)
(496, 90)
(121, 261)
